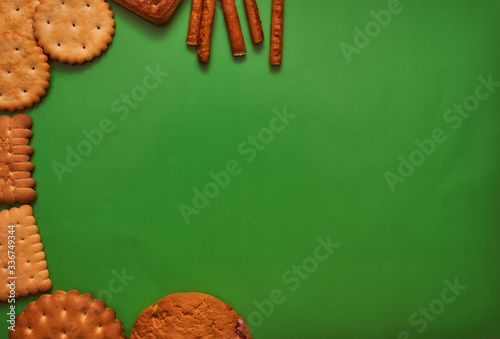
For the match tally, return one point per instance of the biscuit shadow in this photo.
(239, 59)
(145, 27)
(204, 67)
(258, 47)
(64, 67)
(4, 206)
(275, 69)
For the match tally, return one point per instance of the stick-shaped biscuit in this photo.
(233, 27)
(194, 22)
(276, 54)
(23, 269)
(206, 25)
(254, 22)
(16, 183)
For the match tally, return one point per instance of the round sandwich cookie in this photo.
(67, 315)
(188, 316)
(73, 31)
(24, 72)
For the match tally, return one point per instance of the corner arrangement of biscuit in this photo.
(75, 32)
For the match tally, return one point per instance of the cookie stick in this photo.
(233, 28)
(194, 23)
(254, 21)
(206, 25)
(276, 54)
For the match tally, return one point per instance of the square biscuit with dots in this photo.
(16, 184)
(22, 255)
(73, 31)
(67, 315)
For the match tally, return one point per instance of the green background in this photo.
(322, 176)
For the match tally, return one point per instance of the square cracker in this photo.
(16, 16)
(30, 266)
(16, 183)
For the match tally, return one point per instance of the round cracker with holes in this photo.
(73, 31)
(24, 72)
(17, 16)
(67, 315)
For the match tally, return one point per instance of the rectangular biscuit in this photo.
(16, 184)
(22, 259)
(155, 11)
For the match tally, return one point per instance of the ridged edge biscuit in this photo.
(67, 315)
(24, 72)
(16, 184)
(30, 268)
(74, 31)
(158, 13)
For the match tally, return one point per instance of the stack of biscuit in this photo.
(71, 31)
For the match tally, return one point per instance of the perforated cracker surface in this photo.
(67, 315)
(17, 16)
(74, 31)
(16, 184)
(29, 266)
(24, 72)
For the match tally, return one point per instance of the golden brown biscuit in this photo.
(23, 269)
(276, 54)
(68, 315)
(74, 31)
(206, 26)
(254, 22)
(16, 16)
(189, 316)
(16, 184)
(194, 23)
(155, 11)
(24, 72)
(233, 27)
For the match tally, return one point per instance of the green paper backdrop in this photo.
(351, 193)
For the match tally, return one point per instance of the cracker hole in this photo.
(83, 47)
(17, 9)
(28, 262)
(88, 5)
(74, 25)
(48, 22)
(100, 325)
(98, 27)
(33, 68)
(25, 91)
(58, 45)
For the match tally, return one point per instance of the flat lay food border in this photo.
(370, 211)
